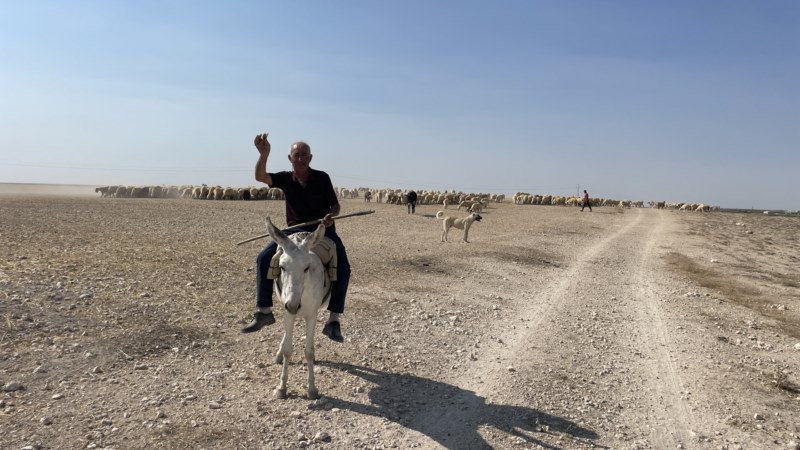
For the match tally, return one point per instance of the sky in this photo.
(688, 101)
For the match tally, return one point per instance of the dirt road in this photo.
(638, 328)
(588, 313)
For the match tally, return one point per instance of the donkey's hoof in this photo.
(313, 394)
(279, 358)
(280, 394)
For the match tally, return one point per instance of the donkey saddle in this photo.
(325, 249)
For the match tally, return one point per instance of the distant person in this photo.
(586, 201)
(411, 196)
(309, 196)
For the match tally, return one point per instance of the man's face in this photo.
(300, 156)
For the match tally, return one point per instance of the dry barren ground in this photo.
(634, 329)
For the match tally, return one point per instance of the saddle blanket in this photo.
(325, 249)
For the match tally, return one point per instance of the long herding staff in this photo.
(313, 222)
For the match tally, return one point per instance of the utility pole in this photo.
(578, 191)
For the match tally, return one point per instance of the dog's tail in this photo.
(440, 214)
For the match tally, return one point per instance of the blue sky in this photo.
(680, 101)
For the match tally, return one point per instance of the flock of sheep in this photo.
(392, 196)
(700, 207)
(196, 192)
(424, 197)
(524, 198)
(471, 202)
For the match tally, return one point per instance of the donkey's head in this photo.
(297, 264)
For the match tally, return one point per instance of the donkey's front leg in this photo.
(311, 323)
(284, 355)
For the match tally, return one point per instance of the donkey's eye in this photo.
(307, 269)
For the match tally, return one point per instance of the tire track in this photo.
(556, 295)
(674, 421)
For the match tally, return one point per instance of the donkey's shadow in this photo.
(449, 415)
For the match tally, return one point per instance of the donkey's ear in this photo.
(278, 235)
(319, 233)
(314, 237)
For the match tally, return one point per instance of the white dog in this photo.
(462, 224)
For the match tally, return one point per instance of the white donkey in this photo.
(304, 288)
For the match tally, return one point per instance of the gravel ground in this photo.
(624, 329)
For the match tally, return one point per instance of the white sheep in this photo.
(276, 194)
(703, 208)
(230, 194)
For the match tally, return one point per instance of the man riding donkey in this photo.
(309, 197)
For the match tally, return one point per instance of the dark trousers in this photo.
(585, 204)
(264, 286)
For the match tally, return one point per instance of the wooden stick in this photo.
(313, 222)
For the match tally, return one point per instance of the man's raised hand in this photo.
(262, 144)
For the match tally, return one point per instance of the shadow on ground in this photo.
(453, 416)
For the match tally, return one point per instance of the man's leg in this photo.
(263, 315)
(332, 329)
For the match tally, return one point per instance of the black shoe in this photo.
(259, 320)
(333, 331)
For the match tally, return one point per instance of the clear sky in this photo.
(693, 101)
